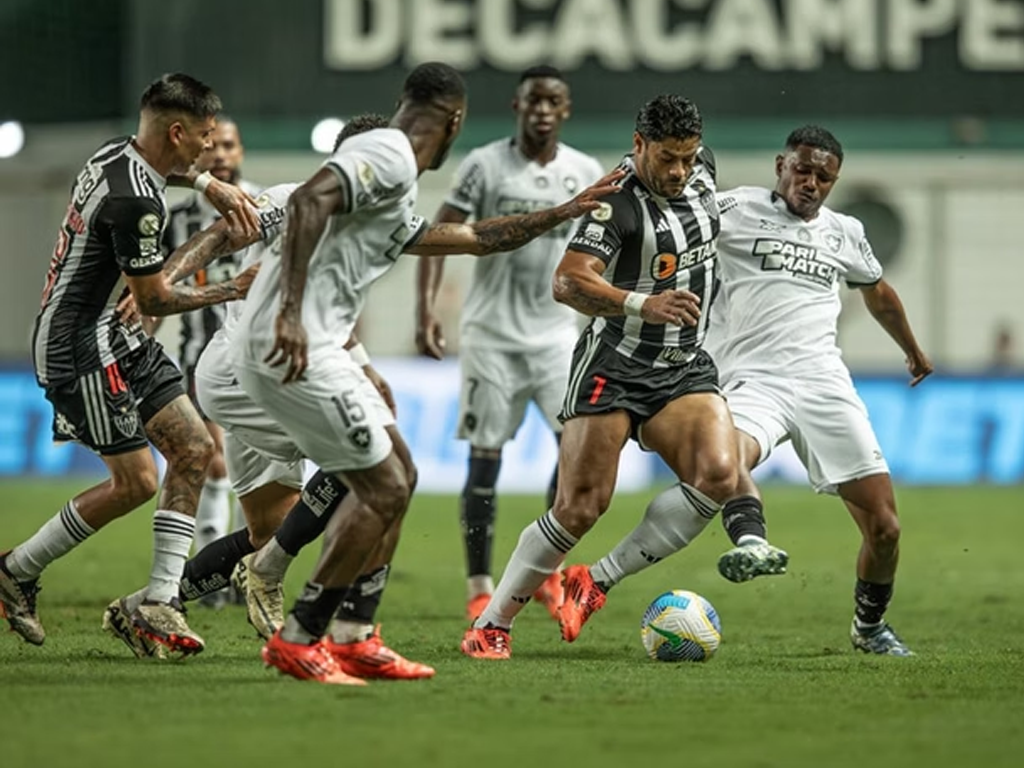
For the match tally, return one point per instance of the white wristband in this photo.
(203, 180)
(633, 304)
(359, 355)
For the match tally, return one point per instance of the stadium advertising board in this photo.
(947, 431)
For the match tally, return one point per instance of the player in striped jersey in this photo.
(224, 161)
(515, 340)
(112, 388)
(784, 254)
(644, 267)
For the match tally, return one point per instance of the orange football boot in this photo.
(583, 598)
(550, 594)
(370, 658)
(306, 662)
(489, 643)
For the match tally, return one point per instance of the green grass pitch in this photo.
(784, 689)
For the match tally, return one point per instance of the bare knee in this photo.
(390, 500)
(133, 490)
(578, 509)
(883, 532)
(217, 469)
(717, 477)
(192, 455)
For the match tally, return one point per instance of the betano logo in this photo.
(797, 259)
(665, 265)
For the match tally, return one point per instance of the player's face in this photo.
(190, 137)
(452, 129)
(541, 106)
(664, 166)
(806, 175)
(224, 157)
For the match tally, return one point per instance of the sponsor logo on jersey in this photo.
(141, 262)
(797, 259)
(665, 265)
(603, 212)
(770, 226)
(726, 204)
(149, 224)
(675, 355)
(262, 200)
(571, 184)
(594, 232)
(63, 426)
(834, 241)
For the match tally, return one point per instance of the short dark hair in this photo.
(817, 137)
(541, 70)
(432, 82)
(181, 93)
(669, 116)
(360, 124)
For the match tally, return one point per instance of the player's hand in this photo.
(290, 348)
(920, 367)
(675, 307)
(238, 232)
(430, 336)
(383, 387)
(127, 310)
(227, 198)
(590, 198)
(243, 280)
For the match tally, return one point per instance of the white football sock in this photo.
(343, 632)
(58, 536)
(672, 520)
(134, 600)
(213, 513)
(271, 561)
(479, 585)
(542, 547)
(172, 537)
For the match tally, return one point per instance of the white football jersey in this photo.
(779, 301)
(379, 170)
(271, 206)
(509, 305)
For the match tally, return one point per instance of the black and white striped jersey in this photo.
(112, 228)
(651, 244)
(186, 219)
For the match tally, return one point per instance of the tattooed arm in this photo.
(226, 235)
(156, 296)
(506, 233)
(579, 283)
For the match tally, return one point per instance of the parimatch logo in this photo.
(796, 258)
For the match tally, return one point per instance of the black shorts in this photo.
(107, 409)
(603, 381)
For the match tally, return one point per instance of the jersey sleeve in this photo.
(468, 185)
(135, 225)
(271, 208)
(707, 157)
(864, 269)
(602, 232)
(372, 167)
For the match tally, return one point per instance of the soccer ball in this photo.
(680, 626)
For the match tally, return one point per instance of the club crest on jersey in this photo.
(834, 241)
(149, 224)
(360, 438)
(571, 184)
(799, 260)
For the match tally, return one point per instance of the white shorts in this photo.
(256, 449)
(497, 386)
(333, 415)
(822, 415)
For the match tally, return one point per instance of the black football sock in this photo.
(478, 511)
(363, 598)
(321, 496)
(312, 613)
(871, 600)
(210, 570)
(744, 516)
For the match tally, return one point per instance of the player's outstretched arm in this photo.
(222, 196)
(429, 274)
(156, 296)
(885, 306)
(579, 283)
(309, 208)
(507, 233)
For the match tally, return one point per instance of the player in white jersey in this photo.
(773, 335)
(346, 227)
(515, 340)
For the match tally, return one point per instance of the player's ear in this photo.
(176, 132)
(638, 142)
(779, 161)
